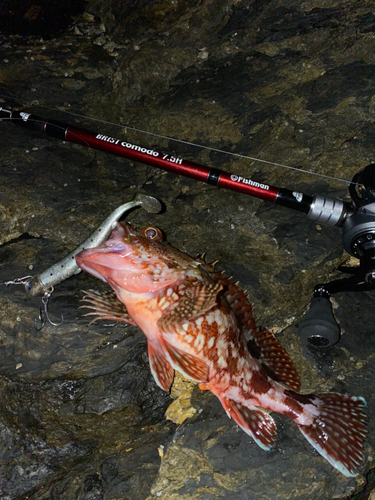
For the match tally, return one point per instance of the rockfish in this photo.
(199, 323)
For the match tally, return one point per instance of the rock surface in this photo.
(286, 82)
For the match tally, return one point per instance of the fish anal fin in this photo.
(161, 369)
(187, 364)
(105, 305)
(264, 347)
(338, 430)
(254, 421)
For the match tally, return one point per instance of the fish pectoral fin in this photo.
(202, 298)
(161, 369)
(254, 421)
(105, 305)
(197, 301)
(189, 365)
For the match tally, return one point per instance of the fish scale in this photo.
(200, 323)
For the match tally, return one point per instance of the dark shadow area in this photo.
(45, 18)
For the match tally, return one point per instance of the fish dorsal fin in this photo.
(105, 305)
(189, 365)
(237, 298)
(161, 369)
(262, 344)
(255, 422)
(210, 267)
(239, 302)
(264, 347)
(196, 301)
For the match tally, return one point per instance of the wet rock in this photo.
(39, 18)
(285, 82)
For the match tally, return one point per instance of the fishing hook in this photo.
(43, 313)
(42, 284)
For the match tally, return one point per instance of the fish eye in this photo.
(152, 233)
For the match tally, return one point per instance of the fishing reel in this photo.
(319, 328)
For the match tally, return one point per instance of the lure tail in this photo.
(337, 430)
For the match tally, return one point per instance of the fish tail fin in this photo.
(337, 429)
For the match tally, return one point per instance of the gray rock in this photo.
(287, 82)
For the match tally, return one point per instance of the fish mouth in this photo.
(110, 256)
(126, 262)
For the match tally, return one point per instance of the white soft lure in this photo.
(42, 284)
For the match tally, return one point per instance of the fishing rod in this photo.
(318, 208)
(357, 218)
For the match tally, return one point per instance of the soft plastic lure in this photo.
(42, 285)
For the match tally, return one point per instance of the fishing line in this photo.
(188, 143)
(357, 218)
(333, 212)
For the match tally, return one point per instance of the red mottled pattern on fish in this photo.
(200, 323)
